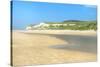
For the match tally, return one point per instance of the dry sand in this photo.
(35, 49)
(68, 32)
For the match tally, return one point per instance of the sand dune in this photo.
(39, 48)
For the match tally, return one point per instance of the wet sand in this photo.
(43, 48)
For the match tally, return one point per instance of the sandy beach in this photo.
(52, 47)
(66, 32)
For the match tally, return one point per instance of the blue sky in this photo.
(25, 13)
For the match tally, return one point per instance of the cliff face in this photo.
(65, 26)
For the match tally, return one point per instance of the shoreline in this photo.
(58, 32)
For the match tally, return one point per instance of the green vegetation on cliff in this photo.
(78, 25)
(69, 25)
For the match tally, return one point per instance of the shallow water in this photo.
(78, 43)
(83, 43)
